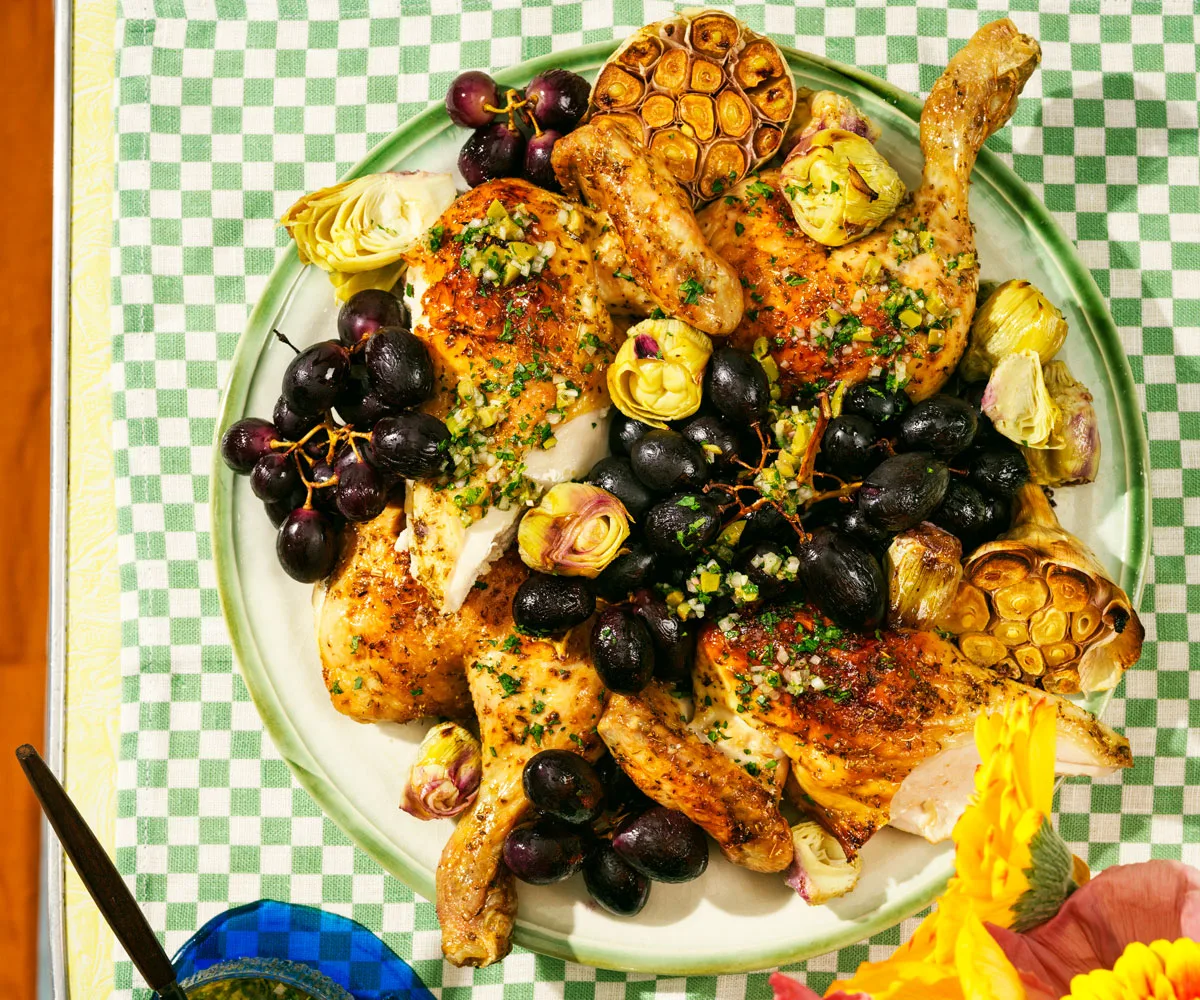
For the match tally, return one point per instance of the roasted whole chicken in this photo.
(878, 727)
(835, 314)
(521, 296)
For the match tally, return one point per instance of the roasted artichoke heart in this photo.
(657, 372)
(444, 779)
(358, 231)
(839, 185)
(704, 92)
(576, 530)
(820, 869)
(1037, 605)
(1078, 429)
(1020, 406)
(1015, 317)
(924, 570)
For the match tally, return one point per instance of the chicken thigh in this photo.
(899, 300)
(387, 655)
(530, 695)
(878, 727)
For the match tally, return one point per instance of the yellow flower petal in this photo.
(1163, 970)
(983, 969)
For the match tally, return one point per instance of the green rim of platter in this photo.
(990, 171)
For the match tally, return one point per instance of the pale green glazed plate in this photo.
(729, 920)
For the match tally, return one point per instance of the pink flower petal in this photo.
(787, 988)
(1151, 901)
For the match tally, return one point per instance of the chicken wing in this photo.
(878, 726)
(666, 258)
(529, 695)
(901, 299)
(530, 355)
(681, 770)
(387, 655)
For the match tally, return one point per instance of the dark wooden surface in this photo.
(26, 124)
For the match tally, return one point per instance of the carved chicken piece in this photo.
(522, 365)
(902, 298)
(529, 695)
(734, 801)
(662, 256)
(878, 727)
(387, 655)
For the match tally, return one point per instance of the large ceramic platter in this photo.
(728, 920)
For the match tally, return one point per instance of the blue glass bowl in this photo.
(346, 960)
(274, 970)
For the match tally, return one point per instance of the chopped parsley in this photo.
(510, 684)
(690, 291)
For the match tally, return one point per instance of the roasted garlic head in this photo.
(702, 90)
(1037, 605)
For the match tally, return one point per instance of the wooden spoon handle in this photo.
(101, 877)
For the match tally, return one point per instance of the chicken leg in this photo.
(901, 299)
(529, 695)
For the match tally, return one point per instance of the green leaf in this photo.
(1050, 880)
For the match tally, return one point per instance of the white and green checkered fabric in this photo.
(227, 110)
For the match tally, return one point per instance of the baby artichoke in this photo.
(839, 185)
(924, 570)
(1018, 403)
(820, 870)
(1078, 460)
(445, 777)
(576, 530)
(358, 231)
(1037, 605)
(824, 109)
(657, 372)
(1015, 317)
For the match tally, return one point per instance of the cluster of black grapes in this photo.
(344, 433)
(885, 465)
(592, 818)
(552, 105)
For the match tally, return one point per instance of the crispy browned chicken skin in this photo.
(530, 695)
(387, 655)
(889, 701)
(667, 259)
(681, 770)
(791, 282)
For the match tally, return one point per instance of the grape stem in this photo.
(513, 102)
(282, 339)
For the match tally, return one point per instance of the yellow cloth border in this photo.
(93, 647)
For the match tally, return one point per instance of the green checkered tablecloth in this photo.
(227, 110)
